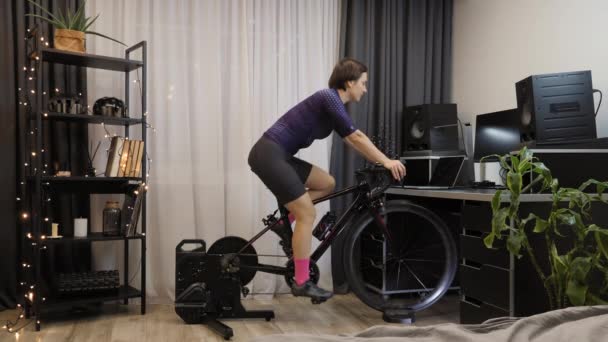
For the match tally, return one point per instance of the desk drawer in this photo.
(473, 248)
(477, 216)
(475, 312)
(486, 283)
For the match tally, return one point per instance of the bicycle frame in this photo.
(361, 200)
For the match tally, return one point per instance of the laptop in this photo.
(432, 172)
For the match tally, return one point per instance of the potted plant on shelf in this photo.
(70, 28)
(576, 274)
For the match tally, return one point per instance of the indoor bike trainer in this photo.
(209, 283)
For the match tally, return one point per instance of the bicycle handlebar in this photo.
(376, 178)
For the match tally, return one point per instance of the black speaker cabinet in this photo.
(430, 127)
(556, 108)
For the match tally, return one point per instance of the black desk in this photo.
(493, 283)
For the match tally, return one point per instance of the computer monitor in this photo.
(496, 133)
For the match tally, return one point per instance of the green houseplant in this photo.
(575, 275)
(69, 28)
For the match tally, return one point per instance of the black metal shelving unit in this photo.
(90, 185)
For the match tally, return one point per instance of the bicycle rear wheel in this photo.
(411, 275)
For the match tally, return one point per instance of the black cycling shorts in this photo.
(283, 174)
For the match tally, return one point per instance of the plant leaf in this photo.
(576, 292)
(566, 218)
(68, 13)
(514, 181)
(528, 219)
(503, 162)
(498, 222)
(601, 238)
(541, 169)
(489, 240)
(493, 156)
(44, 10)
(559, 263)
(496, 200)
(77, 25)
(550, 280)
(540, 226)
(526, 153)
(594, 300)
(554, 185)
(525, 156)
(104, 36)
(62, 18)
(86, 26)
(50, 21)
(579, 268)
(515, 162)
(515, 242)
(600, 188)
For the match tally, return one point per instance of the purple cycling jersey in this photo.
(314, 118)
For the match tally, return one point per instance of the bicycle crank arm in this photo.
(266, 268)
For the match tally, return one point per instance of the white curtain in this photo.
(219, 74)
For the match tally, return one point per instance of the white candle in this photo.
(80, 227)
(55, 229)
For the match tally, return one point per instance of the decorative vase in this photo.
(69, 40)
(111, 218)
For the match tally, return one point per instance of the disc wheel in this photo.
(228, 245)
(312, 268)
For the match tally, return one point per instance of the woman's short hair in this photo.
(347, 69)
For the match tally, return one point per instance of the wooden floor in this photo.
(342, 314)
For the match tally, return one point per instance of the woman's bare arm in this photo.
(361, 143)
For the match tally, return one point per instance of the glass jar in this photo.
(111, 218)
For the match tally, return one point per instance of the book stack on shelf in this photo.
(131, 209)
(124, 157)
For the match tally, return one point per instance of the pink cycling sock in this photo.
(302, 271)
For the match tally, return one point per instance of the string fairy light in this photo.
(31, 289)
(15, 326)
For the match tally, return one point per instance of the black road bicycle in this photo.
(398, 256)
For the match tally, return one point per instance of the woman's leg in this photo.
(284, 176)
(304, 212)
(319, 183)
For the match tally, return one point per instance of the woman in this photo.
(296, 183)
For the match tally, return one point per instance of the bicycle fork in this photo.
(381, 223)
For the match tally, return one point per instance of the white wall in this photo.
(497, 43)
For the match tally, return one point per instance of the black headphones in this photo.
(110, 106)
(66, 104)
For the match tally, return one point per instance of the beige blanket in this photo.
(576, 324)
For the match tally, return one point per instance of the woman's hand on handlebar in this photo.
(396, 167)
